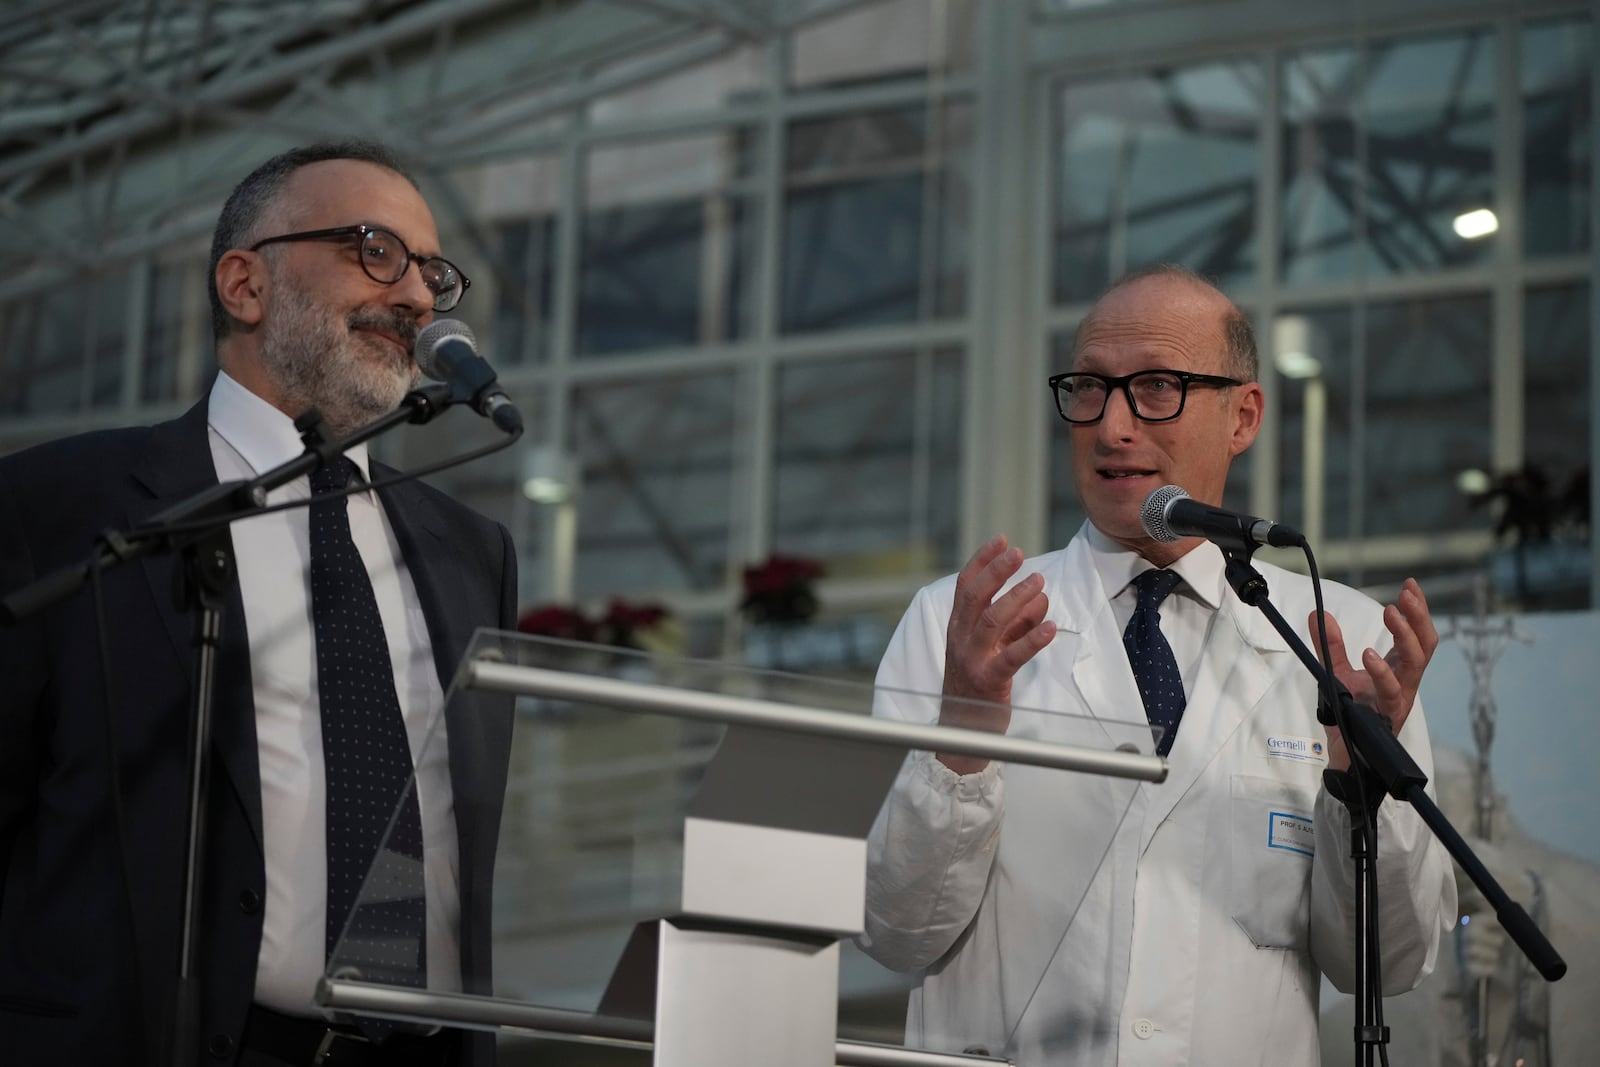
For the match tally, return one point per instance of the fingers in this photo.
(1387, 683)
(1021, 609)
(983, 616)
(1415, 636)
(1414, 605)
(1389, 694)
(990, 634)
(1012, 630)
(1408, 622)
(1028, 630)
(985, 573)
(1340, 664)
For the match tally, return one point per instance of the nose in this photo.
(411, 293)
(1117, 421)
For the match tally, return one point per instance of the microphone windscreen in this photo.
(426, 350)
(1153, 513)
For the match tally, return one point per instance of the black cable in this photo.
(196, 526)
(1327, 684)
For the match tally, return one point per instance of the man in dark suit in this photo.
(325, 266)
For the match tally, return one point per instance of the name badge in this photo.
(1292, 833)
(1300, 749)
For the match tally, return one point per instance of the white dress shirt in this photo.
(249, 436)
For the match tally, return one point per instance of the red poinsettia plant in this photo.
(557, 620)
(780, 590)
(649, 627)
(631, 625)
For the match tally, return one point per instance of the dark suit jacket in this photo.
(88, 963)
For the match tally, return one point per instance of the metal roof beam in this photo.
(272, 75)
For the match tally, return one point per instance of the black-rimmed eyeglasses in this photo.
(1153, 395)
(385, 258)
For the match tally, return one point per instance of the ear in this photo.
(1247, 410)
(242, 285)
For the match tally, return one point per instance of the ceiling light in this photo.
(1473, 482)
(1297, 365)
(1474, 224)
(546, 490)
(549, 475)
(1291, 347)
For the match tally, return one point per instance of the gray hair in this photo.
(258, 192)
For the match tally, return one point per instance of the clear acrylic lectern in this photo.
(683, 856)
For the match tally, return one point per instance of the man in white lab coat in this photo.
(1061, 918)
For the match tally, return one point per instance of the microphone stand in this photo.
(198, 529)
(1380, 765)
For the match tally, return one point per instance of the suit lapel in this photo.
(420, 532)
(176, 465)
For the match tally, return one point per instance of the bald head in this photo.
(1202, 303)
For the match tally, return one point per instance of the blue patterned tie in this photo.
(1154, 666)
(367, 759)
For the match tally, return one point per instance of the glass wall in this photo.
(1158, 167)
(875, 217)
(755, 295)
(64, 351)
(655, 461)
(1389, 166)
(866, 463)
(1556, 397)
(1557, 153)
(1386, 144)
(665, 253)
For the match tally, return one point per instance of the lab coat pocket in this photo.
(1271, 845)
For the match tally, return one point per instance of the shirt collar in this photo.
(1201, 568)
(263, 436)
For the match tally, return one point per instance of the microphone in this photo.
(446, 351)
(1170, 514)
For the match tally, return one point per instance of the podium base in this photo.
(733, 997)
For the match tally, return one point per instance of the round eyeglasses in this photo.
(1153, 395)
(385, 258)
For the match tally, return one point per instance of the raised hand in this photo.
(1388, 683)
(987, 641)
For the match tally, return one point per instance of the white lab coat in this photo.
(1204, 919)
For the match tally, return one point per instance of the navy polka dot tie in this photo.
(367, 758)
(1154, 666)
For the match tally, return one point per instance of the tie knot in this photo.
(333, 477)
(1153, 587)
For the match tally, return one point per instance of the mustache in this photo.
(397, 323)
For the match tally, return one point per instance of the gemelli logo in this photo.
(1297, 748)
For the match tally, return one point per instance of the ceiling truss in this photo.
(102, 101)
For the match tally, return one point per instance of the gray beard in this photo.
(314, 361)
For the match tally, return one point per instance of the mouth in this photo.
(1117, 474)
(401, 345)
(393, 338)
